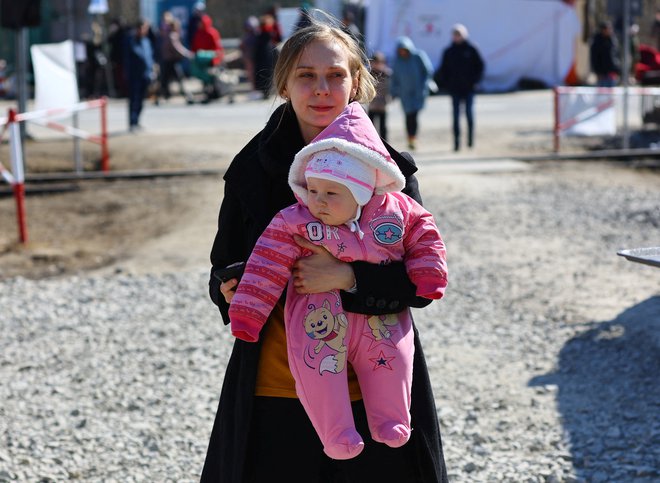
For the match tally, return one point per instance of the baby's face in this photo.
(330, 202)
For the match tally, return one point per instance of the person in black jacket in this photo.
(261, 432)
(139, 64)
(604, 56)
(461, 69)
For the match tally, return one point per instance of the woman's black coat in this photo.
(256, 189)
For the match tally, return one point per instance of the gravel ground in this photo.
(544, 353)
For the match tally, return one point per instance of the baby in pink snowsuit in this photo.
(348, 189)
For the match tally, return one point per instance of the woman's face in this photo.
(320, 86)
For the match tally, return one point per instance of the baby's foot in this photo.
(393, 434)
(348, 445)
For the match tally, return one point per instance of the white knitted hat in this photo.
(342, 168)
(460, 29)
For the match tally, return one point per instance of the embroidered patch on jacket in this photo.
(387, 229)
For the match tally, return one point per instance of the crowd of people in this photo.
(405, 75)
(411, 79)
(606, 55)
(408, 76)
(144, 60)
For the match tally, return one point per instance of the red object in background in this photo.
(207, 37)
(572, 78)
(647, 70)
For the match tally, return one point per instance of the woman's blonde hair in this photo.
(294, 46)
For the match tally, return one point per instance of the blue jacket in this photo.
(139, 58)
(411, 76)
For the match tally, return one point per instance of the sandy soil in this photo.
(83, 225)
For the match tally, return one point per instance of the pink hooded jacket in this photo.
(395, 228)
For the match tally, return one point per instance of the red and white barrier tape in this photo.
(70, 130)
(57, 111)
(4, 172)
(41, 118)
(6, 175)
(632, 90)
(585, 115)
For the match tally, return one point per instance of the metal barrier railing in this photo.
(11, 123)
(598, 111)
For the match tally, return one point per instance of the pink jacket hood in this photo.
(351, 132)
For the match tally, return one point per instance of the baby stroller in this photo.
(217, 80)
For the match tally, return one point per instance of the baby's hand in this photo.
(320, 271)
(228, 289)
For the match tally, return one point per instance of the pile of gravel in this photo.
(108, 379)
(541, 353)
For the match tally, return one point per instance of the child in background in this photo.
(346, 183)
(378, 106)
(3, 79)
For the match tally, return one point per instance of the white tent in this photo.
(518, 39)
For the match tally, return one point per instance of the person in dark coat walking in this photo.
(139, 71)
(461, 69)
(604, 56)
(118, 31)
(261, 431)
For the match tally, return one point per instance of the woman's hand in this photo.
(320, 272)
(227, 289)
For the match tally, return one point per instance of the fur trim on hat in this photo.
(353, 133)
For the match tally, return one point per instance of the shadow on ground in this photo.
(608, 386)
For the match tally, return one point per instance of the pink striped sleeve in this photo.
(266, 274)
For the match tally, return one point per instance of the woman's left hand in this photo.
(320, 271)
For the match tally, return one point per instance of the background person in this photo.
(411, 72)
(199, 9)
(261, 431)
(117, 32)
(265, 54)
(461, 69)
(208, 55)
(377, 109)
(208, 38)
(95, 80)
(655, 30)
(303, 16)
(172, 53)
(247, 46)
(604, 56)
(139, 71)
